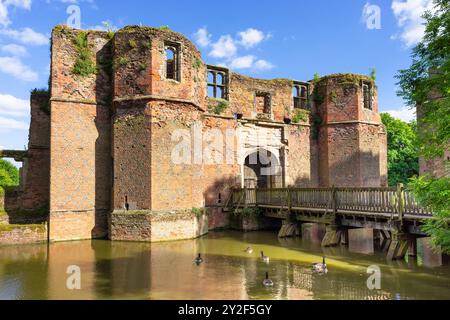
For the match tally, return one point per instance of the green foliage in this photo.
(109, 29)
(248, 213)
(9, 174)
(317, 96)
(164, 28)
(373, 74)
(219, 107)
(316, 78)
(426, 83)
(334, 96)
(132, 44)
(435, 194)
(199, 212)
(142, 66)
(147, 44)
(123, 61)
(197, 64)
(84, 64)
(300, 115)
(403, 160)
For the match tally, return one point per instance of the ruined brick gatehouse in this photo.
(101, 142)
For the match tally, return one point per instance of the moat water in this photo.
(120, 270)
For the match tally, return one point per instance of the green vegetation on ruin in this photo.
(11, 227)
(373, 74)
(132, 43)
(219, 106)
(197, 64)
(300, 115)
(123, 61)
(84, 64)
(248, 213)
(142, 66)
(199, 212)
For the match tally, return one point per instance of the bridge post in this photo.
(399, 246)
(332, 236)
(401, 202)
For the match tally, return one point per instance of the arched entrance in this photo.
(262, 169)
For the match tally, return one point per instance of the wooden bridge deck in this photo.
(387, 209)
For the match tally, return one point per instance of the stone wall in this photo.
(11, 234)
(243, 90)
(80, 172)
(352, 139)
(156, 226)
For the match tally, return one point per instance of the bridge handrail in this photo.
(397, 202)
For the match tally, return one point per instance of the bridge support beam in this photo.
(399, 246)
(332, 236)
(289, 229)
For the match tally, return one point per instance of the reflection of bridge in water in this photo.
(332, 286)
(392, 211)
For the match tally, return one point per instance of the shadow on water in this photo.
(113, 270)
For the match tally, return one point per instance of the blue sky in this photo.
(267, 39)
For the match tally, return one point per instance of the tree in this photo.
(403, 160)
(9, 175)
(427, 84)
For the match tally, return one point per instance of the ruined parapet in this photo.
(81, 75)
(159, 87)
(352, 138)
(35, 172)
(157, 64)
(260, 99)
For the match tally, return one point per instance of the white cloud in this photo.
(406, 114)
(263, 65)
(4, 14)
(251, 37)
(225, 47)
(7, 124)
(244, 62)
(409, 18)
(27, 36)
(202, 37)
(250, 62)
(15, 50)
(14, 67)
(12, 106)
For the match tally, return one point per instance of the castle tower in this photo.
(352, 138)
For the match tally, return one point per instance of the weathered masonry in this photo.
(101, 141)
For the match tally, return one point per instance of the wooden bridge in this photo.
(393, 211)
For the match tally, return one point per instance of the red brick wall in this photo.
(80, 157)
(132, 156)
(23, 235)
(174, 186)
(36, 186)
(243, 90)
(352, 141)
